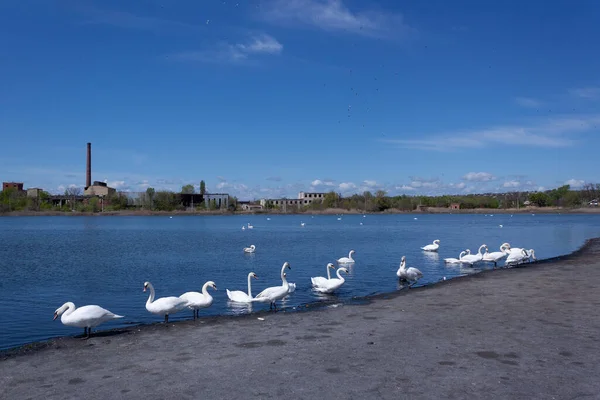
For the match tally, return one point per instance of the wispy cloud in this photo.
(575, 183)
(479, 177)
(236, 53)
(586, 92)
(550, 133)
(333, 15)
(528, 102)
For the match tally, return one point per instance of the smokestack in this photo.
(88, 170)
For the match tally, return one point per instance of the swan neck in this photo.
(338, 275)
(328, 272)
(151, 296)
(249, 285)
(205, 289)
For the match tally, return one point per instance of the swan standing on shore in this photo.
(496, 255)
(86, 317)
(319, 280)
(240, 297)
(195, 301)
(164, 305)
(272, 294)
(331, 285)
(473, 258)
(457, 260)
(432, 247)
(410, 275)
(347, 260)
(250, 249)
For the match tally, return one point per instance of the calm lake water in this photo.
(46, 261)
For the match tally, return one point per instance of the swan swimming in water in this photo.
(319, 280)
(457, 260)
(240, 297)
(164, 305)
(346, 260)
(432, 247)
(250, 249)
(272, 294)
(410, 275)
(331, 285)
(86, 317)
(195, 301)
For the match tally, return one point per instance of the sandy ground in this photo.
(521, 333)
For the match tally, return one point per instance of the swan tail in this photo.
(118, 316)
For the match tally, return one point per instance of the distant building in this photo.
(99, 189)
(455, 206)
(249, 206)
(220, 200)
(12, 185)
(34, 192)
(304, 199)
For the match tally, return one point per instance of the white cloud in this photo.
(549, 133)
(333, 15)
(528, 102)
(346, 186)
(575, 183)
(370, 184)
(511, 184)
(460, 185)
(586, 92)
(320, 183)
(405, 188)
(238, 53)
(479, 177)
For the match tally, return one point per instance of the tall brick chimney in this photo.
(88, 170)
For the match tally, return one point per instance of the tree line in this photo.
(165, 200)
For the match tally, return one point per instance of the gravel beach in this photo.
(530, 332)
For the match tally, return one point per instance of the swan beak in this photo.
(55, 316)
(144, 288)
(215, 287)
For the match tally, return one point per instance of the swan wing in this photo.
(238, 296)
(291, 287)
(330, 285)
(318, 281)
(267, 292)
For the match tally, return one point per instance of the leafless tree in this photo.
(73, 191)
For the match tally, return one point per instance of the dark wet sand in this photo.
(490, 335)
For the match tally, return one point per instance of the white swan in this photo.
(250, 226)
(473, 258)
(86, 317)
(239, 296)
(432, 247)
(457, 260)
(410, 275)
(496, 255)
(346, 260)
(319, 280)
(272, 294)
(164, 305)
(331, 285)
(517, 257)
(531, 254)
(195, 301)
(250, 249)
(302, 224)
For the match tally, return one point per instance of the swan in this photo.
(239, 296)
(164, 305)
(250, 249)
(517, 257)
(319, 280)
(195, 301)
(86, 317)
(301, 223)
(410, 275)
(250, 226)
(496, 255)
(432, 247)
(457, 260)
(473, 258)
(274, 293)
(346, 260)
(331, 285)
(531, 254)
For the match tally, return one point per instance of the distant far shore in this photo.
(328, 211)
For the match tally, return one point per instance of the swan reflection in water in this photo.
(432, 256)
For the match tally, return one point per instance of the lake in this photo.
(47, 261)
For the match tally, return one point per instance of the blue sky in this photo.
(267, 98)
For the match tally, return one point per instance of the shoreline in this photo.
(330, 211)
(311, 306)
(503, 333)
